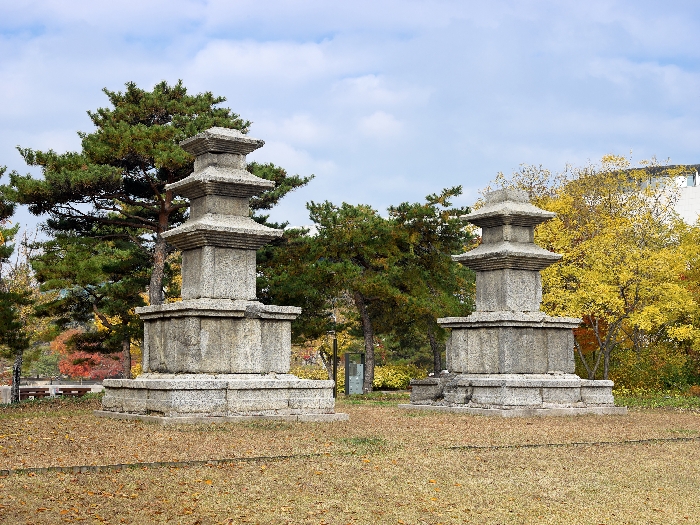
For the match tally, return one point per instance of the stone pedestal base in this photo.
(217, 336)
(524, 412)
(199, 397)
(510, 343)
(514, 394)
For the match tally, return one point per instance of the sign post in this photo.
(354, 373)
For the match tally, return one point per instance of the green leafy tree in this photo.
(355, 249)
(396, 273)
(13, 297)
(45, 365)
(624, 269)
(290, 274)
(107, 209)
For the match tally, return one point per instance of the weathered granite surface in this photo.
(219, 353)
(219, 395)
(199, 264)
(510, 343)
(508, 290)
(523, 412)
(508, 358)
(211, 336)
(513, 390)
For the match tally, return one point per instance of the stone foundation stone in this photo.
(504, 391)
(220, 396)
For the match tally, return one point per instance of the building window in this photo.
(692, 179)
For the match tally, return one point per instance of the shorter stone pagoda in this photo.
(219, 354)
(508, 358)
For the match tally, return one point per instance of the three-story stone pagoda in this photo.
(508, 358)
(218, 354)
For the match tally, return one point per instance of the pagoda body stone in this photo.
(508, 358)
(219, 354)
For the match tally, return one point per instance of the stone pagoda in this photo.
(218, 354)
(508, 358)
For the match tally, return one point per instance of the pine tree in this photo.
(13, 337)
(395, 272)
(119, 176)
(432, 284)
(99, 279)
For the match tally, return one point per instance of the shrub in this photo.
(309, 372)
(388, 377)
(317, 372)
(396, 377)
(655, 368)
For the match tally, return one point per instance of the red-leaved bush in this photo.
(77, 363)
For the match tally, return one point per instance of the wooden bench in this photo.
(34, 392)
(73, 391)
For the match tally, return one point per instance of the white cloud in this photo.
(385, 100)
(669, 83)
(299, 129)
(372, 90)
(294, 160)
(380, 125)
(283, 62)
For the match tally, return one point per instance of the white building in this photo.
(688, 205)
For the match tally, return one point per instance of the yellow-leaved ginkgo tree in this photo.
(625, 264)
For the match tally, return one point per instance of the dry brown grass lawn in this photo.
(383, 466)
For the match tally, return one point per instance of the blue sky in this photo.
(384, 101)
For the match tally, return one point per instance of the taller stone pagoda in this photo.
(219, 354)
(508, 358)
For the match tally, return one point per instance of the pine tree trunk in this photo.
(326, 361)
(155, 289)
(368, 332)
(126, 350)
(437, 351)
(16, 376)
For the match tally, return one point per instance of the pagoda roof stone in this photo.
(508, 206)
(506, 254)
(227, 231)
(221, 140)
(216, 180)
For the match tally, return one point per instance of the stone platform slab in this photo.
(302, 418)
(523, 412)
(200, 396)
(524, 392)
